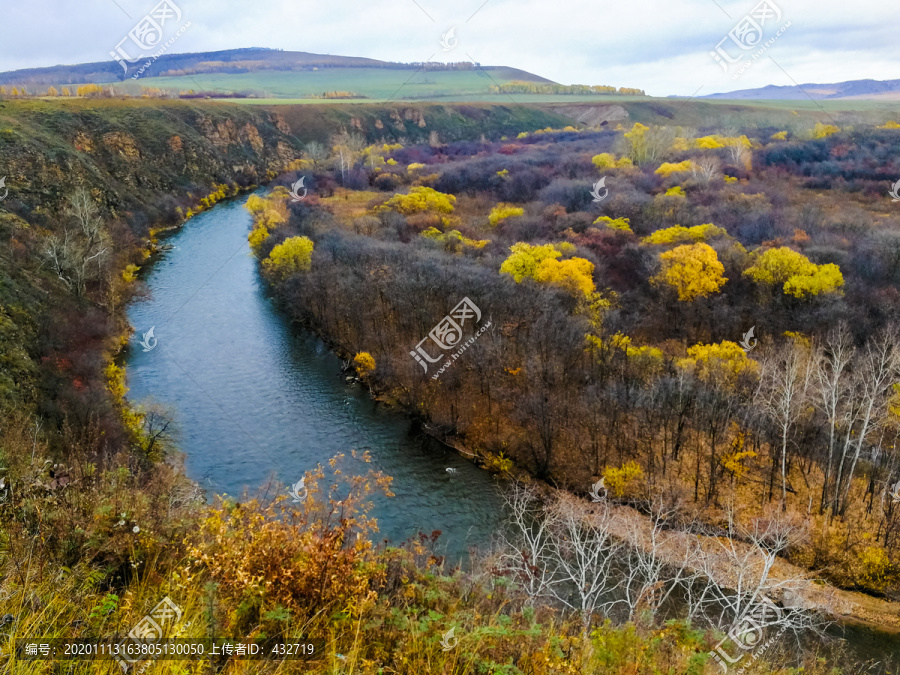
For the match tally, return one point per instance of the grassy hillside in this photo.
(374, 83)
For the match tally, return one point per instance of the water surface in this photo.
(255, 398)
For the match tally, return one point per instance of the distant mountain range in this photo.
(875, 90)
(230, 61)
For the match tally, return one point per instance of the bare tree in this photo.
(525, 555)
(706, 170)
(832, 384)
(346, 149)
(584, 552)
(783, 394)
(741, 589)
(877, 369)
(316, 153)
(81, 252)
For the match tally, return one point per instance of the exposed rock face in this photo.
(280, 124)
(250, 134)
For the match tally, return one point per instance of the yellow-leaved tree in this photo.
(420, 200)
(668, 168)
(290, 256)
(693, 270)
(607, 160)
(824, 130)
(454, 239)
(795, 273)
(720, 364)
(268, 213)
(576, 275)
(540, 263)
(680, 234)
(525, 259)
(364, 363)
(503, 211)
(622, 224)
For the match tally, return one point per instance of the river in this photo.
(255, 399)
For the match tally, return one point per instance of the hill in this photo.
(852, 89)
(232, 62)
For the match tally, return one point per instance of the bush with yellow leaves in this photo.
(503, 211)
(420, 200)
(694, 271)
(618, 480)
(364, 363)
(668, 168)
(680, 234)
(797, 275)
(289, 257)
(621, 224)
(309, 556)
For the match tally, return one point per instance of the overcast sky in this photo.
(661, 46)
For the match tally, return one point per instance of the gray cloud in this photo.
(657, 45)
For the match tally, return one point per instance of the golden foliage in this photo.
(525, 259)
(622, 224)
(693, 270)
(795, 272)
(607, 160)
(668, 168)
(721, 363)
(540, 263)
(619, 479)
(503, 211)
(824, 130)
(290, 256)
(364, 363)
(679, 234)
(306, 559)
(576, 275)
(453, 240)
(420, 200)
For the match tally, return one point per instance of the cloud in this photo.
(657, 45)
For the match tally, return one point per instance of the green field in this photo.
(371, 83)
